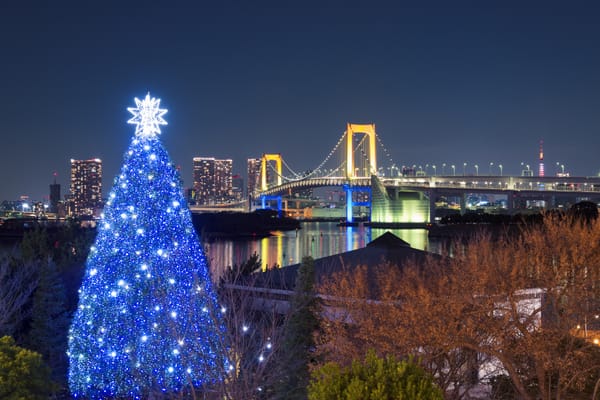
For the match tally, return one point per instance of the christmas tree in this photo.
(146, 322)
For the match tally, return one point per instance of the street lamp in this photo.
(476, 169)
(453, 170)
(500, 166)
(443, 169)
(491, 165)
(434, 170)
(464, 169)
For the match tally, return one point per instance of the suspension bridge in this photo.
(406, 195)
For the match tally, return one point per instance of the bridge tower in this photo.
(263, 169)
(263, 179)
(368, 129)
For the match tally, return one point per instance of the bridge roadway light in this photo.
(443, 169)
(491, 165)
(453, 170)
(500, 166)
(476, 169)
(434, 170)
(464, 169)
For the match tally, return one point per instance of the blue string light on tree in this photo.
(147, 320)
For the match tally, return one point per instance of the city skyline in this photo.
(443, 83)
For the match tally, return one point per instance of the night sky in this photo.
(448, 81)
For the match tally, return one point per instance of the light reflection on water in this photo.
(315, 239)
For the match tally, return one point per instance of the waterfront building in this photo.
(223, 181)
(86, 187)
(204, 182)
(212, 180)
(254, 165)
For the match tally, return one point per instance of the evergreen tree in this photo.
(35, 246)
(145, 324)
(298, 344)
(50, 322)
(236, 272)
(23, 373)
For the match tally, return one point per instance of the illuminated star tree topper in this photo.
(147, 116)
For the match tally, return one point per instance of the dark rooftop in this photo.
(387, 251)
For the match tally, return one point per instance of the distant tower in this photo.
(541, 171)
(54, 195)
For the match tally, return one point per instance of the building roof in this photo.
(387, 251)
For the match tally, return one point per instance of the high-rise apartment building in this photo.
(204, 181)
(254, 165)
(212, 180)
(54, 197)
(86, 187)
(223, 180)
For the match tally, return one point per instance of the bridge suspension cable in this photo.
(318, 168)
(299, 176)
(385, 150)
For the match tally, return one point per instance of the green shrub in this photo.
(373, 379)
(23, 373)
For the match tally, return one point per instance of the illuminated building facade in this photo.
(213, 182)
(254, 165)
(86, 187)
(204, 182)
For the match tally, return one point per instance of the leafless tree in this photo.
(18, 280)
(508, 306)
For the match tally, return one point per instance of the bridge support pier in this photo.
(463, 204)
(264, 199)
(432, 198)
(350, 203)
(510, 202)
